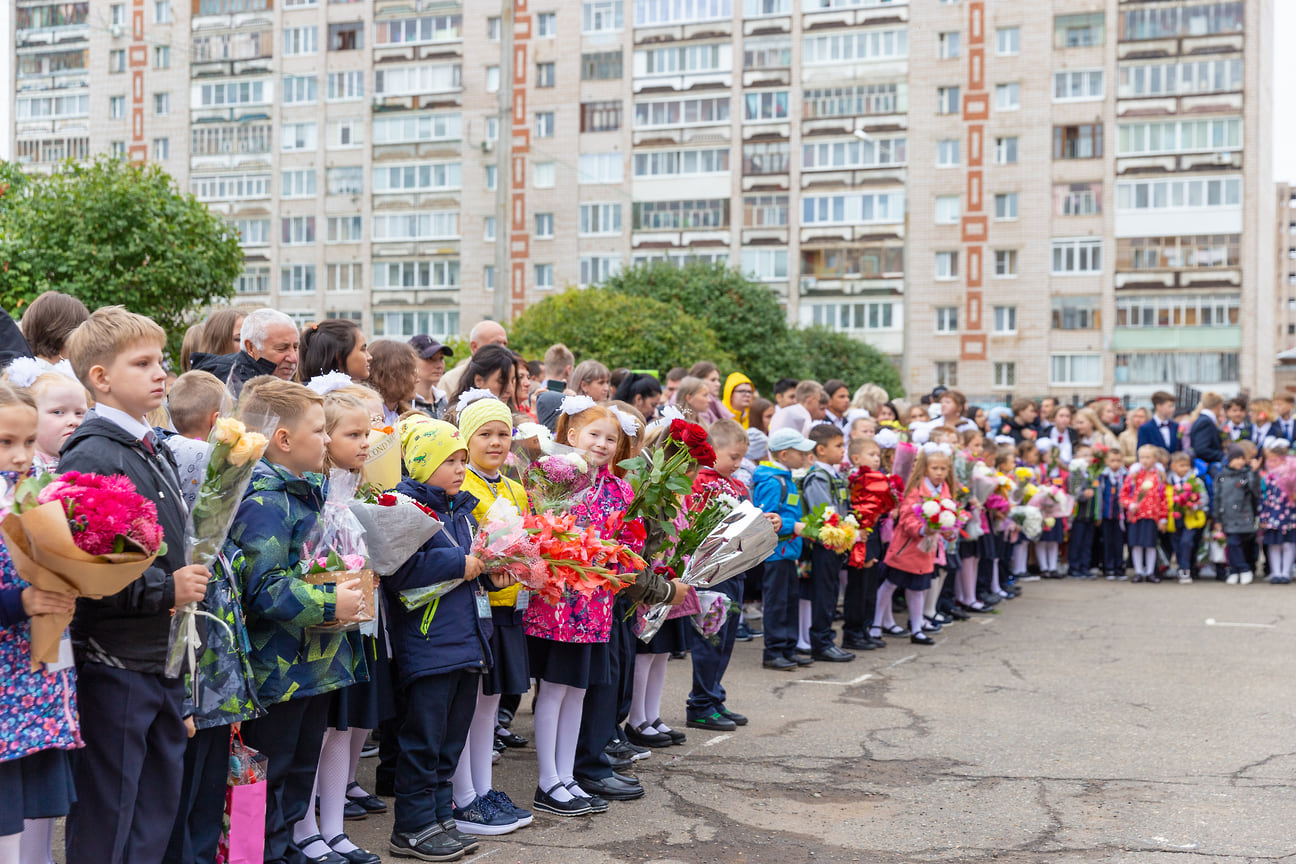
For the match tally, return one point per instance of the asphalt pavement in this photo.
(1086, 722)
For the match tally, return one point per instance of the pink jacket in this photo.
(904, 554)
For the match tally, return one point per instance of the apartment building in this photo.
(1016, 197)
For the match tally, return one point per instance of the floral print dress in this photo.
(1277, 513)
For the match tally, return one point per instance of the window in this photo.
(542, 175)
(1078, 31)
(947, 100)
(661, 163)
(297, 183)
(600, 219)
(1179, 253)
(1007, 96)
(254, 280)
(1078, 142)
(1005, 261)
(946, 265)
(344, 277)
(298, 89)
(546, 25)
(854, 153)
(1081, 85)
(1008, 41)
(1005, 205)
(1080, 370)
(428, 225)
(1005, 319)
(420, 80)
(947, 209)
(1178, 310)
(161, 56)
(850, 46)
(544, 124)
(297, 279)
(492, 79)
(161, 104)
(1077, 199)
(117, 149)
(680, 215)
(297, 230)
(544, 226)
(681, 112)
(345, 229)
(1206, 19)
(488, 229)
(1182, 136)
(1081, 255)
(492, 177)
(297, 136)
(1005, 150)
(759, 107)
(117, 14)
(230, 187)
(946, 373)
(424, 30)
(600, 168)
(220, 140)
(345, 86)
(1161, 78)
(421, 177)
(161, 11)
(855, 101)
(1076, 313)
(544, 74)
(595, 269)
(654, 13)
(870, 260)
(1170, 369)
(853, 317)
(117, 60)
(1005, 375)
(544, 276)
(773, 52)
(493, 28)
(161, 149)
(488, 277)
(437, 274)
(347, 180)
(256, 92)
(602, 16)
(601, 66)
(765, 264)
(947, 153)
(52, 107)
(492, 128)
(253, 232)
(762, 8)
(1179, 194)
(946, 319)
(411, 128)
(346, 134)
(765, 211)
(116, 107)
(442, 326)
(347, 36)
(852, 209)
(300, 40)
(948, 45)
(601, 116)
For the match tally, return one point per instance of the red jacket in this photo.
(904, 553)
(1151, 504)
(710, 482)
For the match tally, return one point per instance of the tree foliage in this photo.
(110, 232)
(820, 353)
(614, 328)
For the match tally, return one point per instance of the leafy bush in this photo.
(820, 353)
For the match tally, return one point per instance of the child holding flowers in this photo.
(1188, 505)
(1278, 511)
(1143, 497)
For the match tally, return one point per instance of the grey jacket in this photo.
(1237, 499)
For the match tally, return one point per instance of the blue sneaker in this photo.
(483, 817)
(505, 805)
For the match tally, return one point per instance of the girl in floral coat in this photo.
(1144, 498)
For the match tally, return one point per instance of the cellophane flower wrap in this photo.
(943, 516)
(1052, 502)
(234, 447)
(335, 549)
(554, 476)
(830, 529)
(1285, 477)
(660, 479)
(714, 610)
(1029, 520)
(871, 498)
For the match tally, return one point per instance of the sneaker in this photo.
(483, 817)
(430, 844)
(1246, 578)
(506, 806)
(715, 722)
(743, 634)
(1185, 578)
(1232, 579)
(467, 841)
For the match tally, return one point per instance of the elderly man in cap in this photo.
(429, 396)
(485, 333)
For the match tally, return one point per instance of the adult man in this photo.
(431, 369)
(800, 416)
(483, 334)
(1161, 430)
(1205, 435)
(270, 347)
(1284, 424)
(952, 405)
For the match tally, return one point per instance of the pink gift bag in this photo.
(245, 807)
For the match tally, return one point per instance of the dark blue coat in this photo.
(1150, 433)
(456, 638)
(1205, 439)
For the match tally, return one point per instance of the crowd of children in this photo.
(948, 512)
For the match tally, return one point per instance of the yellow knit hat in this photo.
(428, 443)
(481, 412)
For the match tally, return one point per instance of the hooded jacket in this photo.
(774, 491)
(235, 369)
(455, 637)
(731, 384)
(132, 628)
(1237, 499)
(291, 657)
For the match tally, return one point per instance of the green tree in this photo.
(616, 329)
(110, 232)
(820, 353)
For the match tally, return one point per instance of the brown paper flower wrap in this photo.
(368, 587)
(44, 554)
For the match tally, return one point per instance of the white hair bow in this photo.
(471, 395)
(576, 404)
(629, 425)
(24, 371)
(887, 439)
(1044, 445)
(328, 382)
(1271, 444)
(931, 447)
(1004, 439)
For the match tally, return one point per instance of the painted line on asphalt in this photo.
(717, 739)
(902, 660)
(1185, 846)
(816, 681)
(1211, 622)
(485, 855)
(866, 676)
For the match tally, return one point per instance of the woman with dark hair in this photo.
(709, 373)
(334, 345)
(761, 412)
(521, 393)
(394, 374)
(492, 368)
(220, 332)
(47, 322)
(641, 391)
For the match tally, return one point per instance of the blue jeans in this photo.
(1185, 546)
(1080, 550)
(1237, 557)
(1113, 538)
(711, 661)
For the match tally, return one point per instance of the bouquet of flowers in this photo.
(395, 527)
(660, 479)
(871, 498)
(715, 611)
(997, 504)
(382, 468)
(1187, 504)
(1053, 504)
(827, 527)
(942, 516)
(1284, 476)
(1029, 520)
(554, 476)
(335, 550)
(233, 449)
(85, 534)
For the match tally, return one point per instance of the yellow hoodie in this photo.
(731, 384)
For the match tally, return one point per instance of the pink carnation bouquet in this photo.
(107, 516)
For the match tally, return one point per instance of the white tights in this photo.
(1046, 553)
(336, 767)
(33, 846)
(965, 587)
(1144, 560)
(649, 681)
(1021, 551)
(805, 613)
(472, 777)
(557, 727)
(933, 595)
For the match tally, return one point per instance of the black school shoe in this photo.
(355, 856)
(546, 803)
(782, 664)
(511, 740)
(467, 841)
(369, 803)
(613, 788)
(430, 844)
(647, 736)
(676, 736)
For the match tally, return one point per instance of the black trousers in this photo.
(601, 708)
(779, 610)
(1185, 547)
(825, 580)
(1113, 544)
(432, 735)
(710, 661)
(128, 774)
(1080, 550)
(289, 736)
(197, 831)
